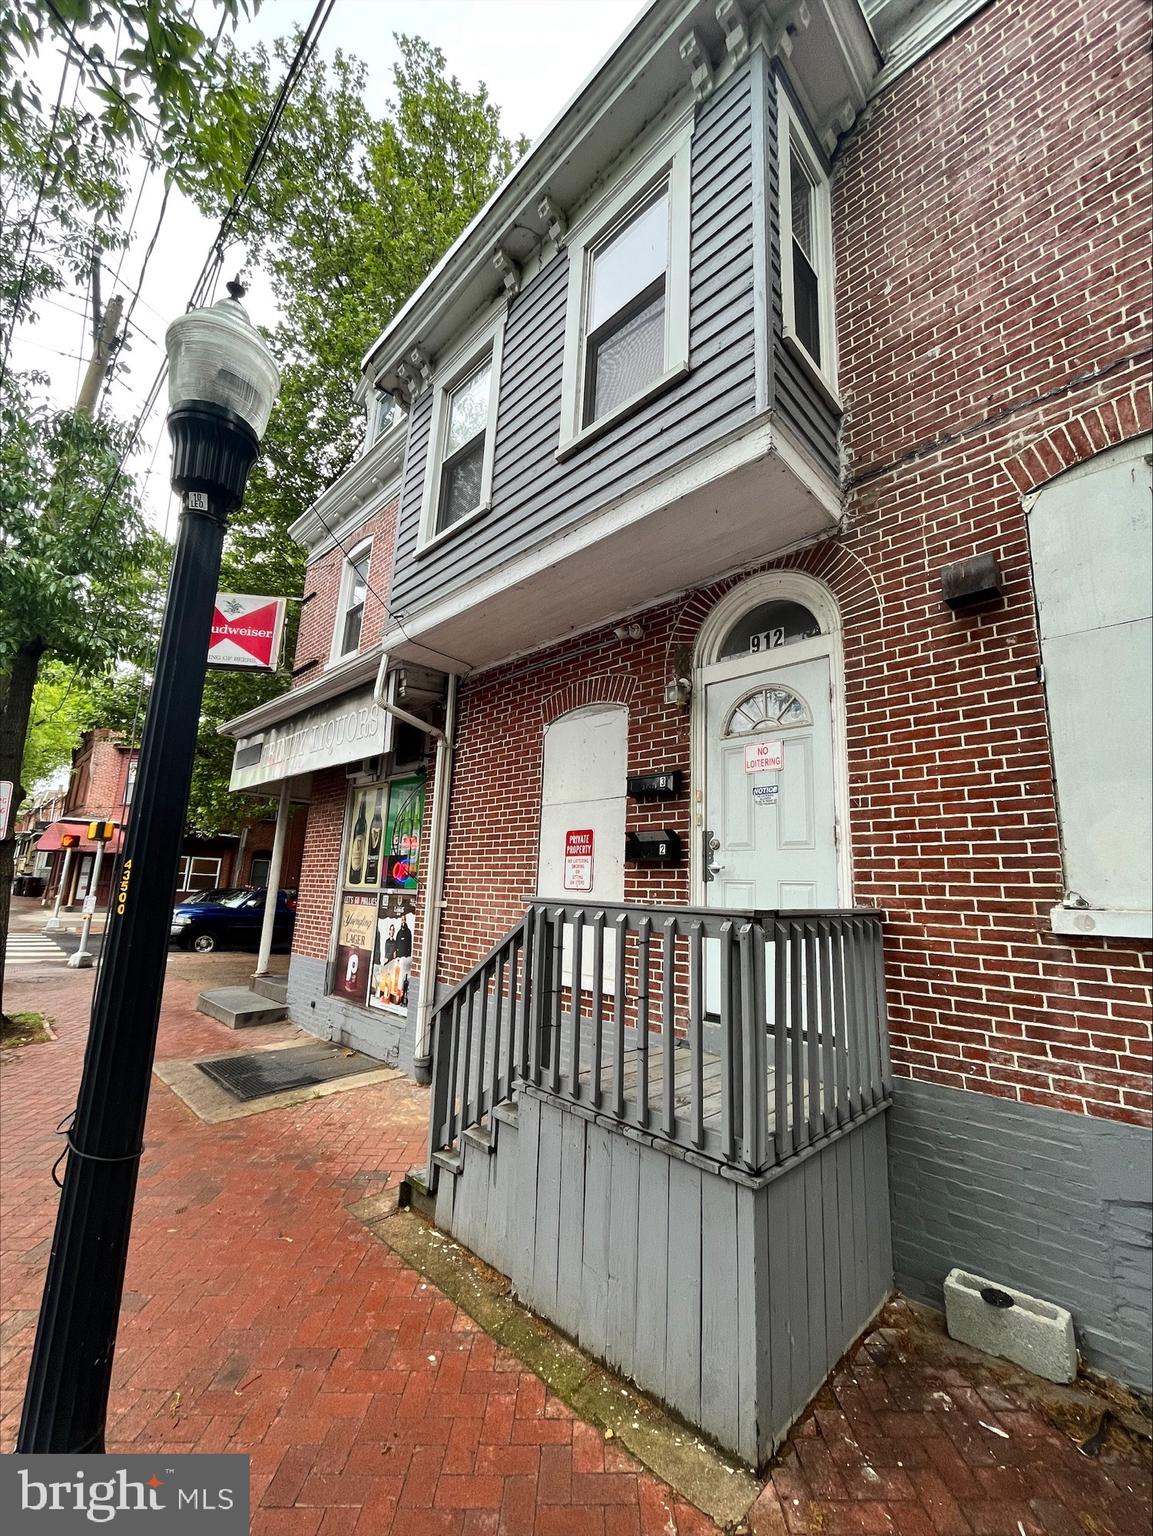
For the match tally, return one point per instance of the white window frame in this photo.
(336, 654)
(667, 160)
(793, 139)
(452, 370)
(183, 874)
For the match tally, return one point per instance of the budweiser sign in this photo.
(246, 632)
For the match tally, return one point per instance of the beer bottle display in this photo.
(356, 853)
(375, 838)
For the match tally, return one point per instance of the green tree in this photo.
(350, 214)
(62, 709)
(77, 564)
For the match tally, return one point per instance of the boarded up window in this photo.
(1089, 533)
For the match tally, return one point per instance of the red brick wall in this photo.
(322, 590)
(320, 864)
(994, 325)
(99, 774)
(993, 289)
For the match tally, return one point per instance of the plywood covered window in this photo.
(1090, 539)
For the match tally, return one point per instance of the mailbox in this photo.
(652, 847)
(665, 785)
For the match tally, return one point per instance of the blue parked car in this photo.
(208, 920)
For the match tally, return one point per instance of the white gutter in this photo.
(437, 847)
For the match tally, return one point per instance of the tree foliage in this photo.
(350, 215)
(136, 74)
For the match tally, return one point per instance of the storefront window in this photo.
(377, 910)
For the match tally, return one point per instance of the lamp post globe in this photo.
(222, 386)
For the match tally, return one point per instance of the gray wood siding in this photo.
(802, 405)
(533, 497)
(730, 1303)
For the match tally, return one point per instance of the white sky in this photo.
(532, 55)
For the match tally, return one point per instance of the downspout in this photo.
(437, 847)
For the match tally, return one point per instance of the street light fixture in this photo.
(222, 384)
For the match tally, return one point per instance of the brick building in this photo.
(100, 789)
(768, 535)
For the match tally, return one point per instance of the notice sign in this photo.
(764, 756)
(578, 861)
(246, 632)
(766, 794)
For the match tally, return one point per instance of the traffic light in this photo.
(70, 840)
(101, 831)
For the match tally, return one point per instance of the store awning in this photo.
(49, 841)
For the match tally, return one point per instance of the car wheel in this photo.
(205, 943)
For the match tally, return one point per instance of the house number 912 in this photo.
(768, 640)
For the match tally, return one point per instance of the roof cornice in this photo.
(626, 91)
(376, 469)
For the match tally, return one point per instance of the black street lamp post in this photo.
(222, 386)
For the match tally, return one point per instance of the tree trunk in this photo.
(16, 687)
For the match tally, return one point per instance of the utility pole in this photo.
(104, 348)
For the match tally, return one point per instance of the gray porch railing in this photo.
(739, 1037)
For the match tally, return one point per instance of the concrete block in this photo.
(1032, 1333)
(239, 1008)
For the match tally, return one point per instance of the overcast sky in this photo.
(532, 55)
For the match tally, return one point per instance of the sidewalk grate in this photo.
(255, 1075)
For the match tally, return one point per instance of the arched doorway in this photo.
(768, 754)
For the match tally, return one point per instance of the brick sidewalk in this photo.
(261, 1317)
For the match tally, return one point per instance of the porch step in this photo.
(275, 987)
(239, 1007)
(414, 1192)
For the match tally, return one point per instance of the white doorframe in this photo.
(788, 586)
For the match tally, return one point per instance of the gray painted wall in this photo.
(731, 1303)
(386, 1037)
(1053, 1203)
(534, 497)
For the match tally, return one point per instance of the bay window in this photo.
(806, 246)
(462, 433)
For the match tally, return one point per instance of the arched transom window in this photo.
(763, 707)
(767, 627)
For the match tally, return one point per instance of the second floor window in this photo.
(627, 314)
(462, 431)
(625, 319)
(462, 462)
(350, 615)
(806, 247)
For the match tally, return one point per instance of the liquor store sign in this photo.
(341, 731)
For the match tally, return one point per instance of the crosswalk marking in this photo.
(32, 949)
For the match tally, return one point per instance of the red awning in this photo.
(49, 841)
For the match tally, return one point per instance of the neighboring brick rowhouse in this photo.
(99, 775)
(994, 328)
(322, 592)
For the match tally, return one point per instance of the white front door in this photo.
(770, 839)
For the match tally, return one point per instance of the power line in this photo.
(213, 262)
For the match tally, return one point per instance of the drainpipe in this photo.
(437, 845)
(272, 891)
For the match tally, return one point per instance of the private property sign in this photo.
(578, 860)
(246, 632)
